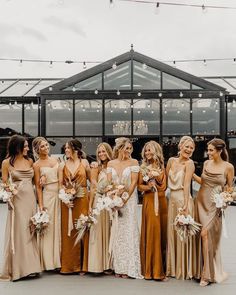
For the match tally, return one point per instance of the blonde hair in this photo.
(121, 143)
(36, 146)
(183, 141)
(108, 150)
(157, 153)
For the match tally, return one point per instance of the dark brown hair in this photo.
(76, 145)
(220, 145)
(15, 147)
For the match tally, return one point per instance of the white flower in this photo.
(145, 178)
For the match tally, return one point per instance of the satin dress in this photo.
(181, 256)
(209, 254)
(21, 253)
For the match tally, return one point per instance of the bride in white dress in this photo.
(124, 243)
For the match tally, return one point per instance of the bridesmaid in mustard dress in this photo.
(217, 172)
(21, 254)
(76, 170)
(100, 232)
(46, 181)
(181, 256)
(154, 215)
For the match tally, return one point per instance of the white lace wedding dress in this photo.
(126, 238)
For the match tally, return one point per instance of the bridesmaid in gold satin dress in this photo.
(99, 234)
(46, 182)
(217, 172)
(181, 256)
(21, 254)
(154, 220)
(76, 170)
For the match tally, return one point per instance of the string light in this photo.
(111, 4)
(157, 10)
(114, 66)
(202, 6)
(50, 64)
(118, 92)
(96, 91)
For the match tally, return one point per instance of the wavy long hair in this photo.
(121, 143)
(15, 147)
(108, 150)
(36, 146)
(76, 146)
(156, 151)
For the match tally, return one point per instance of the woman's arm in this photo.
(39, 190)
(60, 175)
(161, 182)
(87, 168)
(168, 166)
(189, 170)
(197, 178)
(94, 180)
(5, 170)
(229, 176)
(141, 186)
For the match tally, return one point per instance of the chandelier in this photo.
(124, 127)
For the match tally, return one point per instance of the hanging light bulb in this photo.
(234, 61)
(160, 94)
(118, 92)
(50, 64)
(204, 9)
(144, 66)
(20, 63)
(50, 88)
(221, 93)
(157, 9)
(112, 4)
(96, 91)
(139, 93)
(174, 63)
(200, 95)
(204, 63)
(73, 88)
(84, 65)
(181, 94)
(114, 66)
(132, 106)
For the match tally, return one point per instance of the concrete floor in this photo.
(51, 283)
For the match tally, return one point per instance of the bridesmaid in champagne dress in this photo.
(217, 174)
(124, 241)
(100, 232)
(181, 256)
(46, 181)
(21, 254)
(154, 214)
(75, 171)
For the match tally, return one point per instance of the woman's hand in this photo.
(42, 180)
(70, 205)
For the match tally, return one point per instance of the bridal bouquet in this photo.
(110, 197)
(185, 226)
(8, 191)
(70, 191)
(39, 223)
(148, 172)
(222, 199)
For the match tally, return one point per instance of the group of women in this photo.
(114, 244)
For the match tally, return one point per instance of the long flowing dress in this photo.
(21, 253)
(154, 232)
(74, 258)
(99, 237)
(209, 257)
(50, 242)
(181, 256)
(124, 242)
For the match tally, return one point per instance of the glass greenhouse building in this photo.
(130, 95)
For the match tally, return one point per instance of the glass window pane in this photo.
(231, 117)
(88, 117)
(120, 78)
(171, 82)
(11, 116)
(91, 83)
(206, 116)
(232, 151)
(31, 119)
(59, 117)
(176, 116)
(20, 88)
(195, 87)
(146, 117)
(146, 77)
(117, 117)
